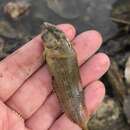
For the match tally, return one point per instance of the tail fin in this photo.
(85, 125)
(86, 128)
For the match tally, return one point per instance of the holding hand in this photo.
(25, 85)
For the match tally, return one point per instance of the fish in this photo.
(61, 59)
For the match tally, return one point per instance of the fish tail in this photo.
(84, 121)
(84, 125)
(85, 128)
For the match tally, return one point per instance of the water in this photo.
(83, 14)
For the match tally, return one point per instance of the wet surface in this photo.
(109, 116)
(21, 20)
(86, 14)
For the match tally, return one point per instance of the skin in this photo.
(26, 87)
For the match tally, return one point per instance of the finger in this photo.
(94, 92)
(63, 123)
(87, 43)
(17, 67)
(95, 68)
(51, 110)
(47, 112)
(34, 92)
(40, 85)
(69, 30)
(10, 120)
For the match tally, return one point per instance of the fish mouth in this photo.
(51, 35)
(48, 26)
(51, 28)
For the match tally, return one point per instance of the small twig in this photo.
(120, 21)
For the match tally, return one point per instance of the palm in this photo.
(25, 86)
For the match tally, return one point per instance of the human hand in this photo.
(25, 85)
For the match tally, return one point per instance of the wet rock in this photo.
(115, 78)
(117, 45)
(11, 38)
(3, 45)
(6, 30)
(16, 9)
(127, 71)
(121, 59)
(70, 10)
(126, 107)
(95, 14)
(9, 46)
(121, 11)
(108, 116)
(118, 48)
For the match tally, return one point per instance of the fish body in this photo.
(63, 66)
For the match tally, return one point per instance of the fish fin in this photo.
(44, 57)
(85, 128)
(53, 84)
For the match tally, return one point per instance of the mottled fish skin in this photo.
(63, 66)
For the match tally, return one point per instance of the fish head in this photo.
(51, 35)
